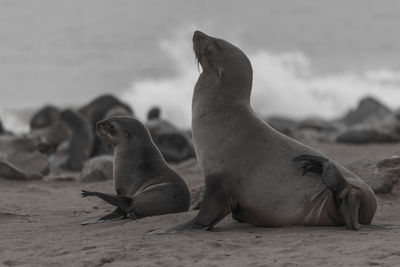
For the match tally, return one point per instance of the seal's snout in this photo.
(199, 44)
(198, 35)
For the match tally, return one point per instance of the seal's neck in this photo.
(214, 91)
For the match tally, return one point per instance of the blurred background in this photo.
(310, 58)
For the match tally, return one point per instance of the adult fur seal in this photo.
(144, 183)
(251, 169)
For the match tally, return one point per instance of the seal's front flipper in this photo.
(121, 202)
(115, 215)
(214, 207)
(189, 226)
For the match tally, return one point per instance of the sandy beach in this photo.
(40, 226)
(326, 74)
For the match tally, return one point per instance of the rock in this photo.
(31, 162)
(391, 167)
(96, 169)
(318, 124)
(369, 111)
(13, 144)
(23, 166)
(364, 135)
(376, 177)
(370, 122)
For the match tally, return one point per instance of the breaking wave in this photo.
(284, 84)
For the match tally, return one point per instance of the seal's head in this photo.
(121, 130)
(220, 58)
(154, 113)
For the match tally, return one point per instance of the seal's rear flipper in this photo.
(330, 174)
(349, 208)
(348, 198)
(121, 202)
(115, 215)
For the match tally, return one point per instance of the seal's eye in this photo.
(111, 128)
(210, 47)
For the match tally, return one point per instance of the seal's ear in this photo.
(220, 72)
(127, 134)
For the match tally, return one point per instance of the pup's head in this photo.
(122, 129)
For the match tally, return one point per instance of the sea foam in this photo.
(284, 84)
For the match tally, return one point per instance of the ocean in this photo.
(310, 58)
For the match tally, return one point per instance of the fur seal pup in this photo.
(252, 170)
(144, 183)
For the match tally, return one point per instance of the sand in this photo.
(40, 226)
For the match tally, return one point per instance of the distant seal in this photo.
(144, 183)
(260, 175)
(154, 113)
(1, 128)
(174, 144)
(98, 109)
(80, 144)
(45, 117)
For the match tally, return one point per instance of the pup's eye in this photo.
(110, 126)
